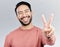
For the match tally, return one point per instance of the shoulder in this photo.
(38, 28)
(11, 34)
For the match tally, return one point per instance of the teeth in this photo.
(25, 19)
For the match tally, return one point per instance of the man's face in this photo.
(24, 15)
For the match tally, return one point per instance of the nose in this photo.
(24, 14)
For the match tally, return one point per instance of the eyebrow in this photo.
(24, 10)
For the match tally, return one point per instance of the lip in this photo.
(25, 19)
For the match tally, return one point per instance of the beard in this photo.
(25, 24)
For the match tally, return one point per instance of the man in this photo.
(29, 35)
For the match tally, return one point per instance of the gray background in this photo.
(9, 22)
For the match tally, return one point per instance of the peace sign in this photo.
(47, 25)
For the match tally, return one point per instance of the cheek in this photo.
(19, 16)
(29, 14)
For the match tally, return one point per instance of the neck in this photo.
(27, 27)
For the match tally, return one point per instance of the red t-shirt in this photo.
(26, 38)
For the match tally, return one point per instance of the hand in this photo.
(48, 28)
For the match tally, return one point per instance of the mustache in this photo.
(25, 17)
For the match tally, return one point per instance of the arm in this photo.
(48, 31)
(48, 37)
(48, 40)
(51, 40)
(7, 42)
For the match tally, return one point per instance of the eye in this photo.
(20, 12)
(26, 11)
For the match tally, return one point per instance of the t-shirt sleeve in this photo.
(7, 41)
(42, 37)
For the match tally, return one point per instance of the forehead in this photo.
(22, 8)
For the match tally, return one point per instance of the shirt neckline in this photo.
(27, 29)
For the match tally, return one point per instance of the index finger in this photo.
(43, 19)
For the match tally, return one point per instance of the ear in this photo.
(32, 13)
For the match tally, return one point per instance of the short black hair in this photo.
(22, 3)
